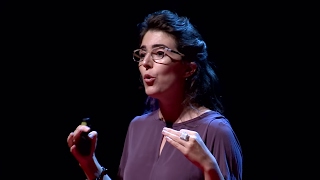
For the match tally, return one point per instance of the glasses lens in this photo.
(158, 54)
(137, 55)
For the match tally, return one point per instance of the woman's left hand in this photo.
(193, 147)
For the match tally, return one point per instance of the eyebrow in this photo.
(154, 46)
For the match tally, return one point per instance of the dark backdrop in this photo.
(65, 60)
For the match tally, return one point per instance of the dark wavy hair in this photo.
(202, 87)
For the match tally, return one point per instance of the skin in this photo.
(169, 78)
(167, 85)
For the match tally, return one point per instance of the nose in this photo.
(147, 61)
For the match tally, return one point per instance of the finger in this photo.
(82, 128)
(77, 133)
(94, 136)
(74, 151)
(188, 131)
(172, 131)
(70, 139)
(173, 135)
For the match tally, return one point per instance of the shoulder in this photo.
(145, 122)
(217, 120)
(220, 134)
(144, 118)
(219, 124)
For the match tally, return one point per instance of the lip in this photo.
(148, 79)
(147, 76)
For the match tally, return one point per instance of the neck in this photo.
(176, 114)
(170, 112)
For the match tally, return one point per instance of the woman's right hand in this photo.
(74, 138)
(88, 163)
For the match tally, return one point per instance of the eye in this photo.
(158, 52)
(142, 54)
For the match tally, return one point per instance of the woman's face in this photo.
(162, 80)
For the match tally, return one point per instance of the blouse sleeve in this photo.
(224, 145)
(124, 155)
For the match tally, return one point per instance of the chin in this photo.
(152, 92)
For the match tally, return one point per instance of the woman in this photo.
(183, 134)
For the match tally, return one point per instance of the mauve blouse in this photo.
(140, 157)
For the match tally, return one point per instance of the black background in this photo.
(65, 60)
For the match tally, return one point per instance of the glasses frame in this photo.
(154, 60)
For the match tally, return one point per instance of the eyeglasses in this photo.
(157, 55)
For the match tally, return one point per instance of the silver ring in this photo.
(184, 136)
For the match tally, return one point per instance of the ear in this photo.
(190, 69)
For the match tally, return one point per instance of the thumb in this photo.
(93, 134)
(94, 138)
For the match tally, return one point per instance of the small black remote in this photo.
(84, 144)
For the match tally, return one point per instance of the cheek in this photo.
(141, 69)
(170, 75)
